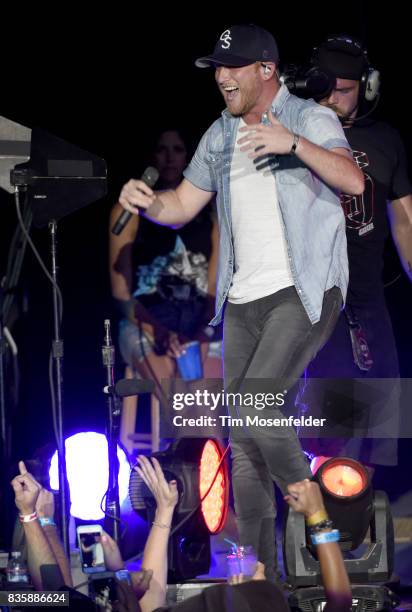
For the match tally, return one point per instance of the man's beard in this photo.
(342, 116)
(247, 106)
(250, 96)
(335, 109)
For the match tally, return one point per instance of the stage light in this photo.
(348, 495)
(88, 473)
(355, 509)
(193, 463)
(343, 480)
(214, 506)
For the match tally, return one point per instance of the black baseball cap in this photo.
(241, 45)
(342, 57)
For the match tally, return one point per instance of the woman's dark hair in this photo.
(186, 137)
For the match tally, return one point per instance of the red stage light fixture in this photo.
(198, 466)
(344, 480)
(215, 505)
(348, 495)
(354, 508)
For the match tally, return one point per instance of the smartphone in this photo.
(91, 549)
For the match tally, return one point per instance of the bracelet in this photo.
(28, 518)
(123, 575)
(319, 516)
(46, 520)
(162, 525)
(326, 524)
(208, 331)
(325, 537)
(295, 143)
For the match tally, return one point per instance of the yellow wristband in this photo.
(318, 517)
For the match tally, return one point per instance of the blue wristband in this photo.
(325, 537)
(124, 576)
(46, 520)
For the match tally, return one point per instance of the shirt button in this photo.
(299, 290)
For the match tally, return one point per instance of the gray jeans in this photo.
(272, 339)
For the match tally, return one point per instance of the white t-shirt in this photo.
(261, 258)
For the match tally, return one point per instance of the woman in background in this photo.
(163, 280)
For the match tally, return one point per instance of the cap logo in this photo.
(226, 39)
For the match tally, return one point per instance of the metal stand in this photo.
(8, 399)
(3, 420)
(58, 179)
(4, 438)
(112, 518)
(57, 355)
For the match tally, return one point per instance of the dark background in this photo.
(107, 83)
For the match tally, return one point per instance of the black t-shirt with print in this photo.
(167, 260)
(379, 152)
(171, 271)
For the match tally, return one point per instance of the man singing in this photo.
(277, 165)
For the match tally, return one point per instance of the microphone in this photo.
(149, 176)
(130, 386)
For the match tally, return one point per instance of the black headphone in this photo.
(370, 78)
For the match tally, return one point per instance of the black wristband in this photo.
(295, 143)
(326, 524)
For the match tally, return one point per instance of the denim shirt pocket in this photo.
(214, 159)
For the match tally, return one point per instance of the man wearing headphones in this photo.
(277, 164)
(362, 344)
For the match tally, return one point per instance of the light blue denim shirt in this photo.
(313, 220)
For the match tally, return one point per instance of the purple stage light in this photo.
(88, 473)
